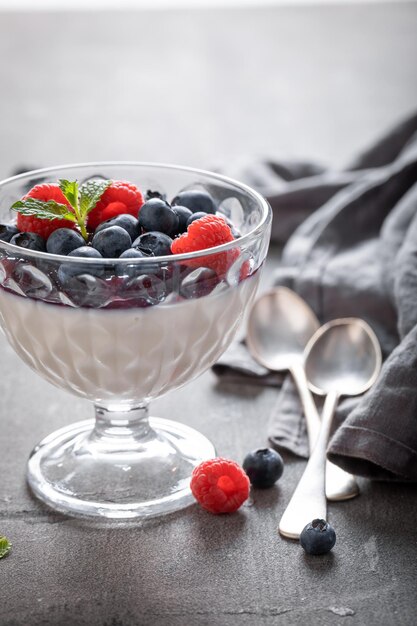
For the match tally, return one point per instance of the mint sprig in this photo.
(82, 200)
(5, 546)
(49, 210)
(70, 190)
(90, 194)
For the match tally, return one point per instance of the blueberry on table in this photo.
(67, 270)
(264, 467)
(7, 231)
(126, 221)
(195, 200)
(29, 241)
(111, 242)
(318, 537)
(153, 243)
(63, 241)
(157, 215)
(195, 216)
(183, 215)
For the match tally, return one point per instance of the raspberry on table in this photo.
(220, 485)
(30, 223)
(120, 198)
(207, 232)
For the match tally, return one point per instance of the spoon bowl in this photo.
(280, 325)
(344, 358)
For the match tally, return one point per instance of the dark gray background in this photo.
(199, 88)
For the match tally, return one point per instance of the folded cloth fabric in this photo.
(353, 253)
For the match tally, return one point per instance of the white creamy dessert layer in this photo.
(123, 356)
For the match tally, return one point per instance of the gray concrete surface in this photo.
(199, 88)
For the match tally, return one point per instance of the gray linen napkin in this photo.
(352, 252)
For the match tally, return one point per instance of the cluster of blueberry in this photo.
(149, 234)
(124, 236)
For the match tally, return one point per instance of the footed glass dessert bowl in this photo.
(123, 331)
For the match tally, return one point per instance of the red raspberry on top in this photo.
(120, 197)
(207, 232)
(30, 223)
(220, 485)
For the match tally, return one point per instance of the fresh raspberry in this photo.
(220, 485)
(30, 223)
(120, 197)
(207, 232)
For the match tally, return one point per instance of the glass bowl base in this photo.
(77, 472)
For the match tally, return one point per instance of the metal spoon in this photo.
(280, 325)
(342, 358)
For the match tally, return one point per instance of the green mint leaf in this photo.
(5, 546)
(70, 190)
(90, 194)
(50, 210)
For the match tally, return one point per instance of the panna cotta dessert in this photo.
(107, 333)
(131, 354)
(120, 282)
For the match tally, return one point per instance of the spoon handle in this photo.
(307, 402)
(339, 484)
(308, 501)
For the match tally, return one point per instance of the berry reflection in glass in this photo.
(123, 331)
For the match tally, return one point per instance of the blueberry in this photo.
(195, 200)
(126, 221)
(183, 214)
(111, 242)
(88, 291)
(29, 241)
(68, 270)
(156, 214)
(146, 290)
(195, 216)
(153, 243)
(133, 253)
(154, 194)
(264, 467)
(32, 281)
(7, 231)
(123, 269)
(318, 537)
(86, 252)
(63, 241)
(200, 282)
